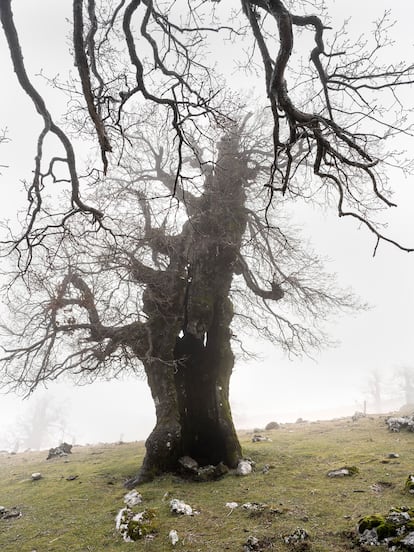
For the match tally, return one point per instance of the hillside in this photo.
(74, 505)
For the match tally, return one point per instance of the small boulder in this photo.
(173, 536)
(180, 507)
(346, 471)
(132, 498)
(36, 476)
(244, 467)
(62, 450)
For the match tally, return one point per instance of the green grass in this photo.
(61, 515)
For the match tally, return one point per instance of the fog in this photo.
(269, 386)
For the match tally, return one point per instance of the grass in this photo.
(78, 515)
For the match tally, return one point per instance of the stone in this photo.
(298, 535)
(244, 468)
(62, 450)
(180, 507)
(132, 498)
(36, 476)
(173, 536)
(133, 526)
(188, 463)
(346, 471)
(260, 438)
(6, 513)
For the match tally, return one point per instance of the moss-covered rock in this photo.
(136, 526)
(396, 529)
(409, 484)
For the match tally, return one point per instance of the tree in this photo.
(172, 235)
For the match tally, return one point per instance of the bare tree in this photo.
(154, 249)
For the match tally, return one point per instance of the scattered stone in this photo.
(12, 513)
(232, 505)
(260, 438)
(180, 507)
(298, 536)
(132, 498)
(135, 526)
(244, 467)
(272, 425)
(36, 476)
(72, 477)
(395, 530)
(409, 484)
(191, 468)
(252, 543)
(346, 471)
(211, 473)
(173, 536)
(266, 469)
(255, 507)
(397, 423)
(62, 450)
(188, 463)
(393, 455)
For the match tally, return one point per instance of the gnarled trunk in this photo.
(189, 318)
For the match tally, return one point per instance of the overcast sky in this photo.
(270, 387)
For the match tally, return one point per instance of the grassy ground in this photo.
(60, 515)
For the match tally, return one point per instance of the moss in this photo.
(140, 525)
(353, 470)
(370, 522)
(409, 484)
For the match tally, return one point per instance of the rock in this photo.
(396, 423)
(408, 541)
(201, 473)
(188, 463)
(346, 471)
(180, 507)
(232, 505)
(62, 450)
(409, 484)
(298, 535)
(72, 477)
(393, 530)
(244, 467)
(260, 438)
(393, 455)
(6, 513)
(135, 526)
(252, 543)
(36, 476)
(255, 507)
(173, 536)
(132, 498)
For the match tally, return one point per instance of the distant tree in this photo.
(154, 250)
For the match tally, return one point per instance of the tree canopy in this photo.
(171, 233)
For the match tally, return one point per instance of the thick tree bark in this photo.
(190, 314)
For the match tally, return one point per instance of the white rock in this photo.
(231, 505)
(36, 476)
(173, 536)
(132, 498)
(180, 507)
(244, 468)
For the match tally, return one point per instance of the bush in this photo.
(272, 425)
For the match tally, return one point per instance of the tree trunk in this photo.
(190, 314)
(202, 382)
